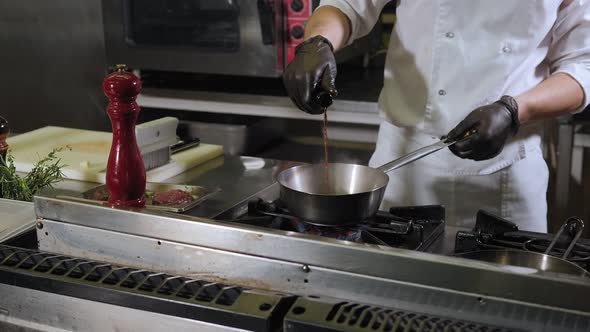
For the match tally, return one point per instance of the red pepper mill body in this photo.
(125, 175)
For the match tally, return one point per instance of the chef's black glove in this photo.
(312, 71)
(493, 125)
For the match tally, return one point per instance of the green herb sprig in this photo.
(45, 173)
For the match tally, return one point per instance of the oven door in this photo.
(233, 37)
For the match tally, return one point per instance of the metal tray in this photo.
(199, 194)
(16, 218)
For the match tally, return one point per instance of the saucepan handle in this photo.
(421, 153)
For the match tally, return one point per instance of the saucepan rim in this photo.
(281, 180)
(580, 270)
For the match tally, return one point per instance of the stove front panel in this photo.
(274, 275)
(41, 287)
(300, 263)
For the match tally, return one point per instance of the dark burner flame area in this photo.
(404, 227)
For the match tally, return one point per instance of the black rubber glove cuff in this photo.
(315, 39)
(512, 107)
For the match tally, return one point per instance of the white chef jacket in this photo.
(447, 57)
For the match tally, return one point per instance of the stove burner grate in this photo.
(410, 228)
(493, 232)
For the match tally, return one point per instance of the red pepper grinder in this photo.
(125, 175)
(4, 131)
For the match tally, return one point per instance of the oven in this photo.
(229, 37)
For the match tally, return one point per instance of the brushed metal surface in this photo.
(239, 178)
(34, 310)
(317, 281)
(429, 270)
(415, 155)
(16, 218)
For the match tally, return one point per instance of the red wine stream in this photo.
(325, 134)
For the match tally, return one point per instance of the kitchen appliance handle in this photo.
(266, 15)
(421, 153)
(184, 145)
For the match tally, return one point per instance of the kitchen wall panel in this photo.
(53, 61)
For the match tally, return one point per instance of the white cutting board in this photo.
(85, 153)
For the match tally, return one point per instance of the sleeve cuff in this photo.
(580, 73)
(349, 12)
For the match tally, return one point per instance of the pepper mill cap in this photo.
(121, 84)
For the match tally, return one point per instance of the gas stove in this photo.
(414, 228)
(339, 279)
(493, 232)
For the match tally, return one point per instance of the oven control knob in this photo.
(297, 32)
(297, 5)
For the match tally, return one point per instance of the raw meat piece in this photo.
(172, 197)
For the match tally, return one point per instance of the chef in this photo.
(497, 67)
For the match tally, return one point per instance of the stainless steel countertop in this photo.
(240, 180)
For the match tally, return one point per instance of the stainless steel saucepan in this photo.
(525, 261)
(348, 194)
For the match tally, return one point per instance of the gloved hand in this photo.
(312, 71)
(493, 123)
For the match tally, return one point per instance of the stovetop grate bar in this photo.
(367, 236)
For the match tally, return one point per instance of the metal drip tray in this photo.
(16, 217)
